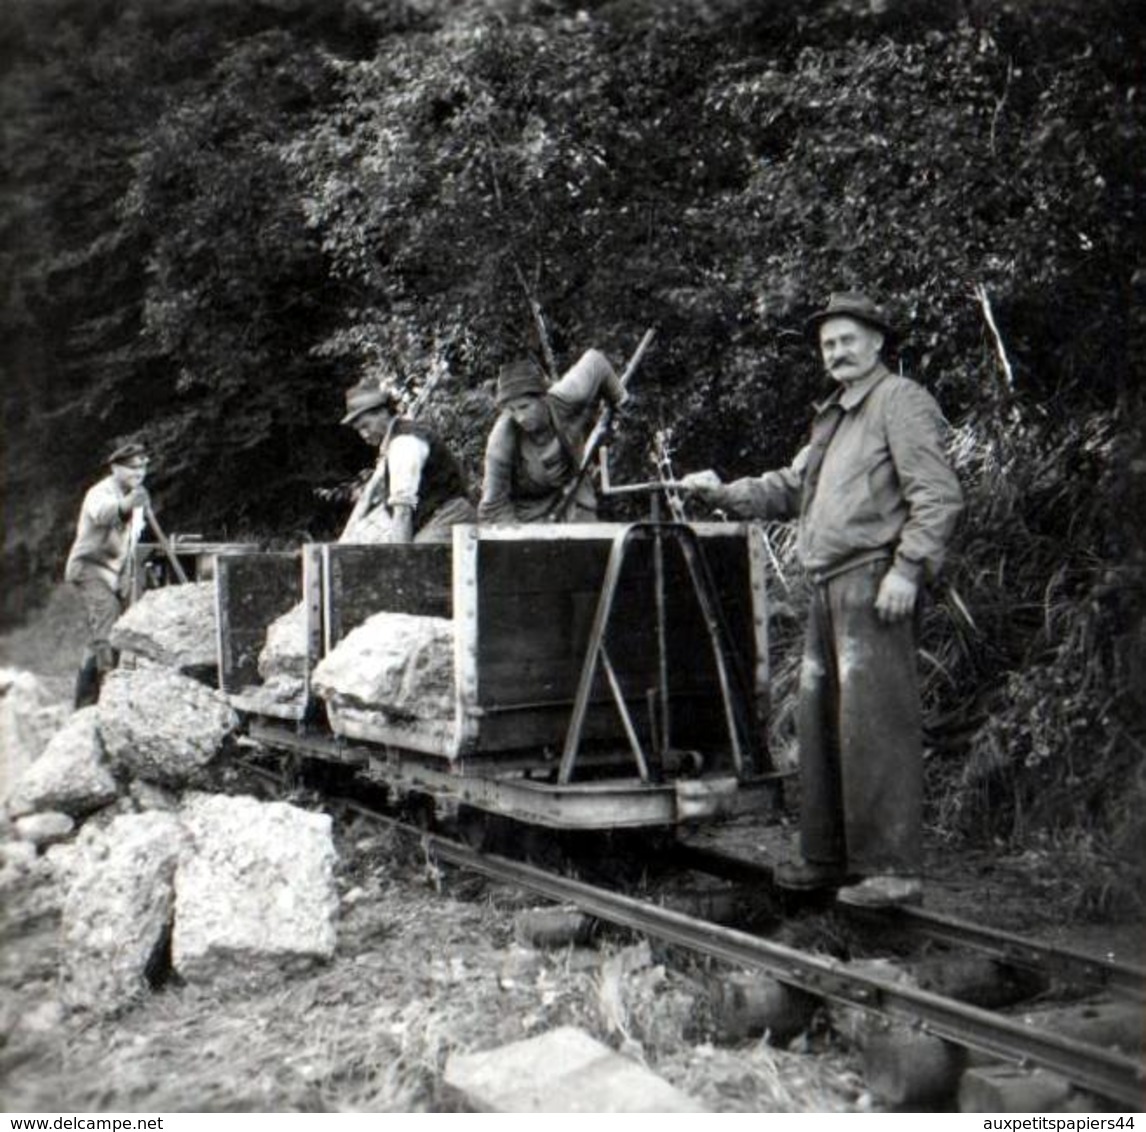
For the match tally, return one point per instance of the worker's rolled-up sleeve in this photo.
(590, 377)
(405, 459)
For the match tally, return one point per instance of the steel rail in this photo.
(1091, 1067)
(1003, 946)
(1007, 947)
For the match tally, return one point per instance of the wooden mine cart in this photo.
(604, 675)
(154, 565)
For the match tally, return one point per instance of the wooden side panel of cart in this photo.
(523, 602)
(536, 602)
(252, 590)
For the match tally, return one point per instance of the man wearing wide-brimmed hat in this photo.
(99, 562)
(537, 442)
(877, 503)
(417, 491)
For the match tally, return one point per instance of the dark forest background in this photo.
(217, 214)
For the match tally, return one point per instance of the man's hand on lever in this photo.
(705, 484)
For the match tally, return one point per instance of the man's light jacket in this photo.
(104, 538)
(873, 481)
(523, 476)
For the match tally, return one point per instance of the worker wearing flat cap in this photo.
(537, 442)
(417, 491)
(99, 562)
(877, 503)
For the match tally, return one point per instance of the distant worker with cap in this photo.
(536, 445)
(101, 558)
(877, 503)
(418, 490)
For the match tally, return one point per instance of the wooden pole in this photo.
(164, 545)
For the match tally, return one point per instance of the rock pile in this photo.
(162, 875)
(174, 627)
(227, 890)
(254, 891)
(160, 726)
(29, 716)
(71, 775)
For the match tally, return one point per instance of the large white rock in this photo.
(280, 695)
(16, 857)
(283, 664)
(71, 775)
(44, 829)
(29, 717)
(117, 910)
(29, 896)
(562, 1070)
(161, 726)
(395, 663)
(254, 892)
(173, 626)
(61, 860)
(284, 649)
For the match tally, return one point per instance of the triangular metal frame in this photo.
(741, 734)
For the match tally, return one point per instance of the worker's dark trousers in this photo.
(103, 608)
(860, 732)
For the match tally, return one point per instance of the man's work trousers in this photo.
(103, 608)
(859, 725)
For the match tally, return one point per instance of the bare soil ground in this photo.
(427, 964)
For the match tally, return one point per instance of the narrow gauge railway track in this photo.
(1005, 947)
(1090, 1067)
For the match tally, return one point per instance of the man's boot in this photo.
(886, 891)
(88, 682)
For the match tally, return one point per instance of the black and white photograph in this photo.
(572, 556)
